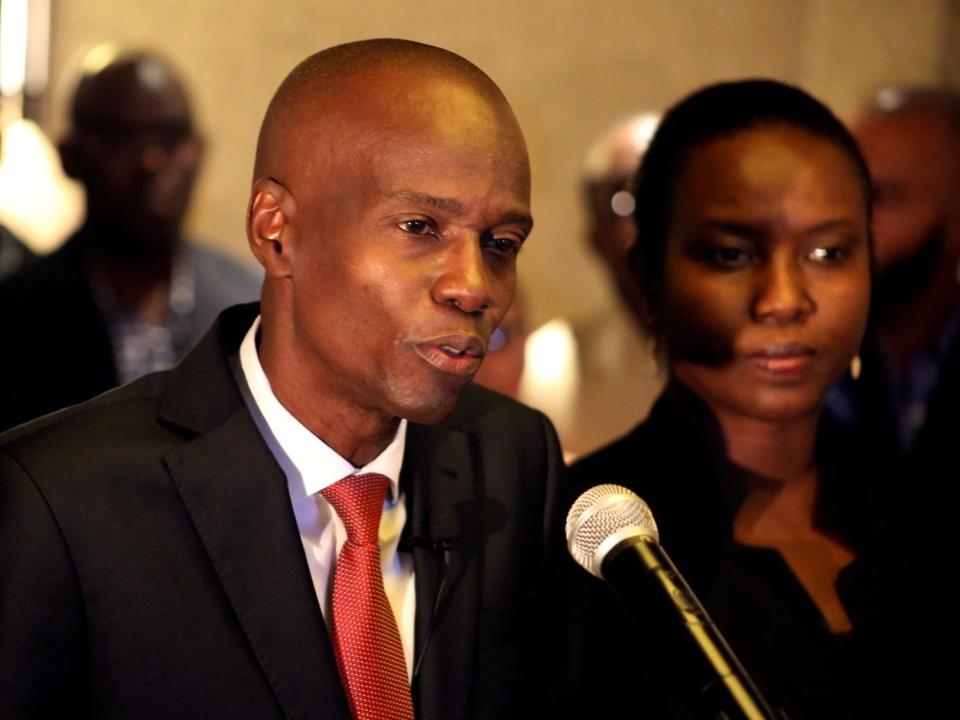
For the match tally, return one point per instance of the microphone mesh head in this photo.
(606, 512)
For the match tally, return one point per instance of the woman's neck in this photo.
(778, 452)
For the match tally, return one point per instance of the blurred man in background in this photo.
(128, 293)
(908, 396)
(618, 378)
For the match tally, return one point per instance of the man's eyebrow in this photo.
(519, 218)
(441, 203)
(455, 206)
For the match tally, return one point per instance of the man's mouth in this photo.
(456, 354)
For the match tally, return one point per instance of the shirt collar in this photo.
(311, 465)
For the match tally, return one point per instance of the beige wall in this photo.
(569, 67)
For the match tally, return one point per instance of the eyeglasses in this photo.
(131, 137)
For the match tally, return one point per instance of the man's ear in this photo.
(270, 229)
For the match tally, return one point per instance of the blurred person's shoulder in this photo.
(14, 254)
(221, 276)
(42, 280)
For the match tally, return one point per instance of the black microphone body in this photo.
(646, 581)
(611, 533)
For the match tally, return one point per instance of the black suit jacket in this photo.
(151, 567)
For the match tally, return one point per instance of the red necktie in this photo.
(365, 635)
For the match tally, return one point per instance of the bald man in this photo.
(198, 543)
(908, 393)
(128, 293)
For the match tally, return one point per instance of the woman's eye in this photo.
(828, 254)
(729, 257)
(416, 227)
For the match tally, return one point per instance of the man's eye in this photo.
(416, 227)
(503, 245)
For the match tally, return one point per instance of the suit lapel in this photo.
(439, 473)
(237, 497)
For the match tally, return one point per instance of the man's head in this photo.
(390, 197)
(132, 145)
(608, 174)
(911, 140)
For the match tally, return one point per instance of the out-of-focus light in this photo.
(98, 57)
(623, 203)
(890, 98)
(549, 351)
(642, 129)
(551, 373)
(37, 201)
(13, 46)
(38, 48)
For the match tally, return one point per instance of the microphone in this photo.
(443, 532)
(612, 534)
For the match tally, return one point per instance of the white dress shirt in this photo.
(310, 466)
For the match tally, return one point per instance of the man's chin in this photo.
(434, 410)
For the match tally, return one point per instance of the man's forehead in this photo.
(409, 116)
(398, 98)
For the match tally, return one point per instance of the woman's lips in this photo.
(787, 360)
(454, 354)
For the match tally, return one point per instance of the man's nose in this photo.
(782, 294)
(465, 281)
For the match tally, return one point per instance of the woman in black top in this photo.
(753, 253)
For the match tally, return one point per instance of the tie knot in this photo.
(358, 500)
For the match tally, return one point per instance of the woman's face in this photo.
(766, 278)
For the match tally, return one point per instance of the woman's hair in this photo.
(717, 111)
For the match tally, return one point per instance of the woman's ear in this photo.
(270, 226)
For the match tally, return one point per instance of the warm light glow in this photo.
(13, 46)
(98, 57)
(549, 350)
(642, 129)
(551, 373)
(37, 202)
(38, 48)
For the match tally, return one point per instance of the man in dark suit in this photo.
(128, 293)
(174, 548)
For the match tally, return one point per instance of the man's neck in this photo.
(137, 283)
(355, 434)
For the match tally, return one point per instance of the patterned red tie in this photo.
(365, 635)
